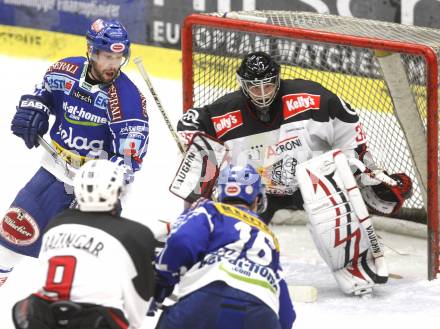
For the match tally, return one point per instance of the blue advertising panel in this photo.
(75, 16)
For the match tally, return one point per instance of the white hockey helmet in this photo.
(98, 185)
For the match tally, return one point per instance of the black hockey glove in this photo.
(30, 120)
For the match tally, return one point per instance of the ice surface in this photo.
(403, 303)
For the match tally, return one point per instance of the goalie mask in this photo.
(259, 78)
(98, 185)
(241, 184)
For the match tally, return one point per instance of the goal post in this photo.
(388, 72)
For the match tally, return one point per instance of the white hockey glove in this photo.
(383, 193)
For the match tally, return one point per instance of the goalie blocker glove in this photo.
(384, 198)
(30, 120)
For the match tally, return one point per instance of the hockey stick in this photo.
(70, 170)
(143, 72)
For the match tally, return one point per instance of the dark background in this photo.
(157, 22)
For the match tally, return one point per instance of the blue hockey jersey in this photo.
(221, 242)
(107, 120)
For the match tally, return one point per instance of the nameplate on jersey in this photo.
(294, 104)
(227, 122)
(243, 216)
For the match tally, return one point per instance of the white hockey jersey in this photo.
(100, 259)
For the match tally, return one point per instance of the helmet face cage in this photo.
(236, 183)
(259, 78)
(109, 36)
(98, 185)
(261, 92)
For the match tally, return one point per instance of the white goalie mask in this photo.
(98, 185)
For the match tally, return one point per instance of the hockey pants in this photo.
(218, 306)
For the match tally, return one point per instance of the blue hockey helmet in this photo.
(108, 35)
(242, 184)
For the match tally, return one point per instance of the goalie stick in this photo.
(143, 72)
(298, 293)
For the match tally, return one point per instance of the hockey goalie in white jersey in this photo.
(339, 221)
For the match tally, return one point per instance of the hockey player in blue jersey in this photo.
(225, 262)
(99, 113)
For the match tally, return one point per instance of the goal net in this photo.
(388, 72)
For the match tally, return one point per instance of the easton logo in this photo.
(294, 104)
(19, 228)
(225, 123)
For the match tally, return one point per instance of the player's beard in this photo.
(106, 76)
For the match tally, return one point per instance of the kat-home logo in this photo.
(294, 104)
(226, 122)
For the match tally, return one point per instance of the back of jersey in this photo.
(240, 250)
(100, 259)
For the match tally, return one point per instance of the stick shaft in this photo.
(143, 72)
(54, 154)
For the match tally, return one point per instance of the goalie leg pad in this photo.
(339, 223)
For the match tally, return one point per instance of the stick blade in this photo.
(303, 294)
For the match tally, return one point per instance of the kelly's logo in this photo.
(225, 123)
(294, 104)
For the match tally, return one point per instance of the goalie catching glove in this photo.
(384, 193)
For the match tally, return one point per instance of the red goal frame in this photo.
(333, 38)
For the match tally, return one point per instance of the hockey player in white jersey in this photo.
(225, 262)
(99, 266)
